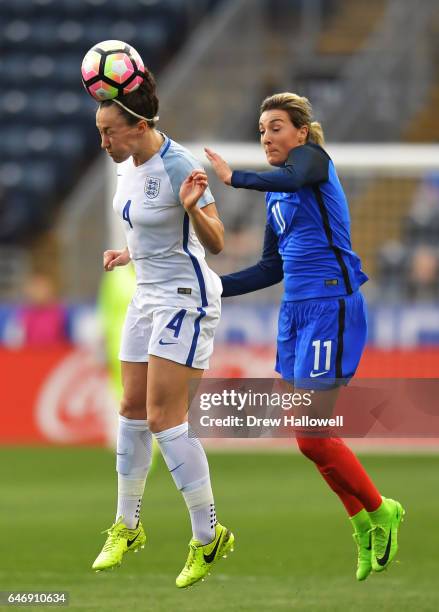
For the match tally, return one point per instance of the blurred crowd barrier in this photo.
(53, 362)
(58, 392)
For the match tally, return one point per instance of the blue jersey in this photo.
(307, 236)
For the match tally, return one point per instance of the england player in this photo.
(168, 214)
(322, 319)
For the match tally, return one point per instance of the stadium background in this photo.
(370, 70)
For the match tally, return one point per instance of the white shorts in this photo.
(183, 335)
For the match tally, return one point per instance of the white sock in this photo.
(202, 512)
(134, 453)
(129, 500)
(187, 462)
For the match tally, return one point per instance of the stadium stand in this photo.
(407, 264)
(350, 26)
(47, 135)
(332, 51)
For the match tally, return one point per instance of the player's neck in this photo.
(151, 144)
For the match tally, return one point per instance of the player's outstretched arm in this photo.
(113, 258)
(220, 166)
(206, 222)
(267, 272)
(305, 165)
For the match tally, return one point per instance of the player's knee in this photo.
(314, 449)
(157, 420)
(161, 418)
(132, 409)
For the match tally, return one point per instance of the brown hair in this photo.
(143, 101)
(299, 110)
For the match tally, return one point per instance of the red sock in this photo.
(337, 462)
(350, 502)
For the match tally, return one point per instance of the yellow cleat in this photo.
(202, 557)
(119, 541)
(385, 536)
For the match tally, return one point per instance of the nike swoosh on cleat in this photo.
(129, 542)
(211, 556)
(385, 557)
(165, 343)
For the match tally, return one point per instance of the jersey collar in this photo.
(165, 146)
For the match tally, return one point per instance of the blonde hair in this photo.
(299, 110)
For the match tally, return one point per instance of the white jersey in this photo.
(168, 257)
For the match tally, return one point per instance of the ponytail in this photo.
(315, 133)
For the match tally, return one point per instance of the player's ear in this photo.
(303, 133)
(142, 127)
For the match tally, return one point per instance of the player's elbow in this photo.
(216, 242)
(216, 247)
(272, 270)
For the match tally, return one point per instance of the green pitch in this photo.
(294, 549)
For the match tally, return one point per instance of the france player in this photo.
(322, 318)
(168, 214)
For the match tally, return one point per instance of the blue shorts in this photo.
(320, 342)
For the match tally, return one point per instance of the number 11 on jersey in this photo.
(327, 344)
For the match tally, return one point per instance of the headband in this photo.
(128, 110)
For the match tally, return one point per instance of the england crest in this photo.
(152, 187)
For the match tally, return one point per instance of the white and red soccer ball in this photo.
(111, 68)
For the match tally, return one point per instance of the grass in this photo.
(294, 549)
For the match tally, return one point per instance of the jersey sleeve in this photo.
(179, 167)
(267, 272)
(306, 165)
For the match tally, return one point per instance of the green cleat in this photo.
(201, 557)
(385, 536)
(363, 540)
(120, 540)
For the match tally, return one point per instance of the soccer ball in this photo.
(111, 68)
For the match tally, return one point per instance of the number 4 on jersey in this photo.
(175, 322)
(126, 213)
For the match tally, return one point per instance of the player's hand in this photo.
(192, 188)
(114, 258)
(220, 166)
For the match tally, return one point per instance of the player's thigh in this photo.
(134, 383)
(286, 342)
(321, 405)
(355, 334)
(184, 335)
(168, 392)
(330, 342)
(316, 359)
(317, 342)
(136, 330)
